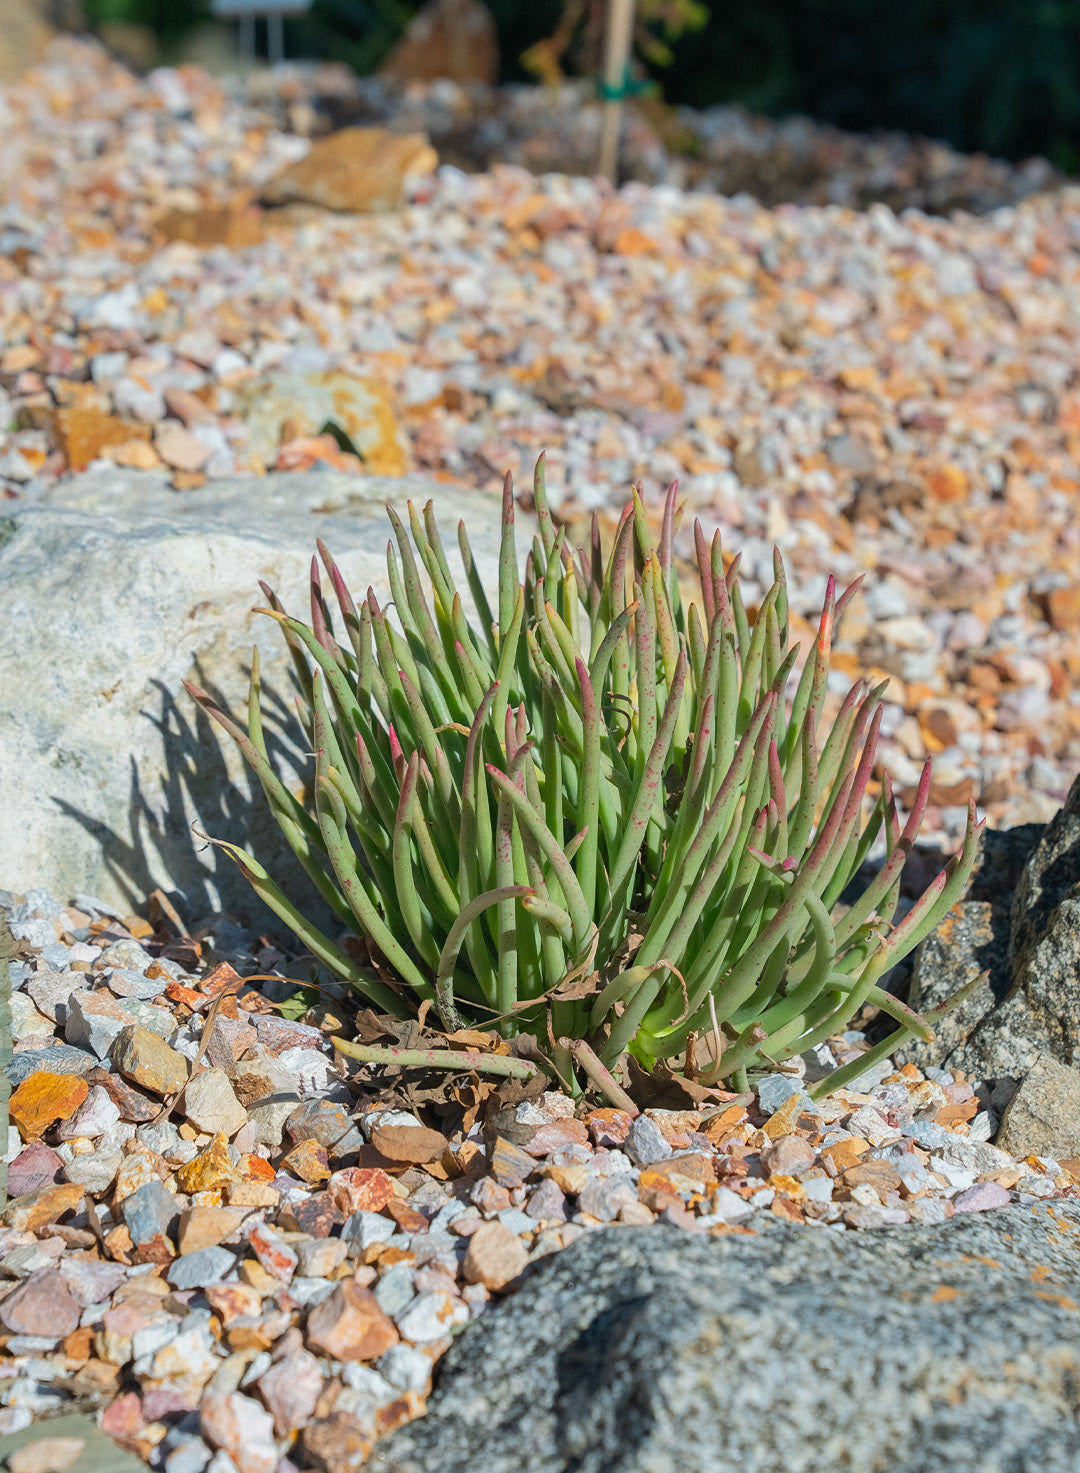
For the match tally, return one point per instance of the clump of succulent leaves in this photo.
(595, 813)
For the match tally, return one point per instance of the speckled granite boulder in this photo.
(645, 1350)
(113, 588)
(1020, 920)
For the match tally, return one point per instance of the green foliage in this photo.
(593, 812)
(1001, 76)
(577, 40)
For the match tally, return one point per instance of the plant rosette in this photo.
(596, 817)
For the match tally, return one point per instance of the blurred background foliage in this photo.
(1001, 76)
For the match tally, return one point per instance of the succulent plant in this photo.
(594, 814)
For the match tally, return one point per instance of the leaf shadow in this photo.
(158, 846)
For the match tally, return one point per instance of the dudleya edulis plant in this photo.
(596, 811)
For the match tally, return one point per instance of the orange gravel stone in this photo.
(880, 1175)
(361, 1189)
(406, 1217)
(78, 1345)
(956, 1113)
(783, 1121)
(231, 1301)
(37, 1209)
(308, 1161)
(236, 224)
(405, 1408)
(1062, 607)
(719, 1126)
(949, 483)
(84, 433)
(354, 169)
(634, 242)
(495, 1256)
(257, 1168)
(350, 1325)
(44, 1098)
(210, 1170)
(845, 1153)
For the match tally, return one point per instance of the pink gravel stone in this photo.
(290, 1389)
(982, 1197)
(242, 1428)
(41, 1305)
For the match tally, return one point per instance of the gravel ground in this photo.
(288, 1244)
(873, 392)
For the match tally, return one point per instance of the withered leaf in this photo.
(478, 1039)
(416, 1144)
(661, 1089)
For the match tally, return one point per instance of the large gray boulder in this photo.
(113, 590)
(651, 1351)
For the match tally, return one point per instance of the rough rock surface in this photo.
(1020, 920)
(113, 590)
(1043, 1118)
(640, 1350)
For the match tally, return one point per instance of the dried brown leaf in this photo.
(661, 1089)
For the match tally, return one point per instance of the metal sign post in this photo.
(247, 12)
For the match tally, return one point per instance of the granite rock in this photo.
(1043, 1118)
(1021, 920)
(973, 938)
(161, 588)
(638, 1349)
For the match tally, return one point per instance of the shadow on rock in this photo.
(198, 792)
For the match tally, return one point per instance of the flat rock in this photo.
(146, 1060)
(130, 563)
(304, 402)
(639, 1349)
(99, 1455)
(354, 169)
(1034, 1009)
(43, 1098)
(48, 1455)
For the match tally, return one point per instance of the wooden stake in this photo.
(617, 42)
